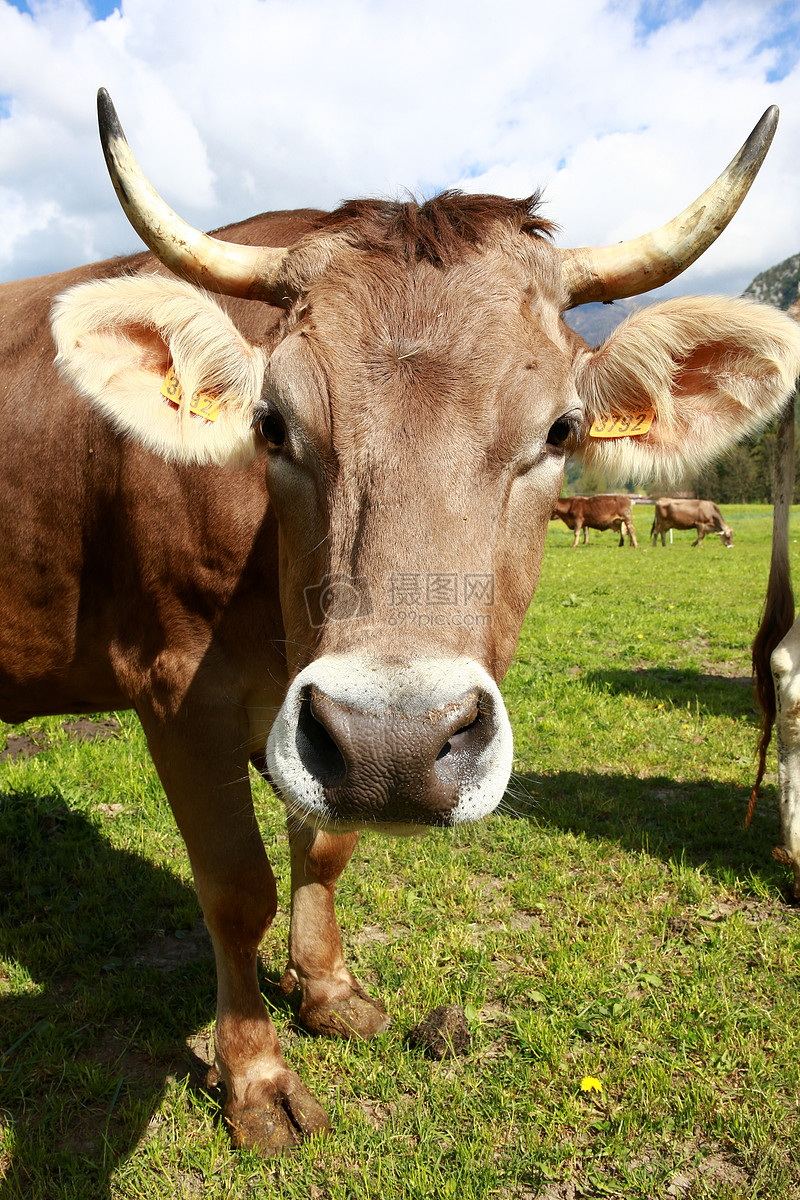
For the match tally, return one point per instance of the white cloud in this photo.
(625, 112)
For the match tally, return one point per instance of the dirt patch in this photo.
(443, 1033)
(200, 1048)
(377, 934)
(486, 887)
(669, 796)
(85, 730)
(714, 1171)
(201, 1045)
(82, 729)
(376, 1114)
(524, 921)
(373, 934)
(110, 810)
(169, 951)
(203, 1071)
(112, 1049)
(690, 922)
(23, 745)
(753, 910)
(556, 1191)
(730, 671)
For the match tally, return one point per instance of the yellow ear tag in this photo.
(170, 389)
(622, 425)
(203, 404)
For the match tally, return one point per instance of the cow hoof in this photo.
(279, 1123)
(353, 1016)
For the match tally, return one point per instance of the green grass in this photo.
(614, 920)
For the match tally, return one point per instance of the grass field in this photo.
(614, 921)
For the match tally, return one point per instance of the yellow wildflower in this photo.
(590, 1084)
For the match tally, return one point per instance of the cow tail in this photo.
(778, 615)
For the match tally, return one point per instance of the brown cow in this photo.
(609, 511)
(702, 515)
(776, 655)
(314, 545)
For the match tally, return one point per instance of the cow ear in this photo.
(710, 370)
(164, 362)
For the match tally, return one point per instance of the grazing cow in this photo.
(300, 526)
(702, 515)
(776, 656)
(610, 511)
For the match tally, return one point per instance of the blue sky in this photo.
(98, 8)
(653, 15)
(623, 110)
(782, 34)
(784, 39)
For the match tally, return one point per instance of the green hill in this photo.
(778, 285)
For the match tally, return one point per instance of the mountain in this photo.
(778, 285)
(594, 322)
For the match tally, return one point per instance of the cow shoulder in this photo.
(711, 370)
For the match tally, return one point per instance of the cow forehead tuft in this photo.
(437, 230)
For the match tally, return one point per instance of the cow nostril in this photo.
(461, 738)
(318, 751)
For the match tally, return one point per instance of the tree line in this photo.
(745, 475)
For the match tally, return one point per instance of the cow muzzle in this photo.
(359, 743)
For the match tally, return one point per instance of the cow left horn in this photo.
(630, 268)
(225, 267)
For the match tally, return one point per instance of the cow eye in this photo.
(561, 431)
(269, 423)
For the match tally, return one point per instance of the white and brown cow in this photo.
(301, 526)
(776, 656)
(611, 510)
(702, 515)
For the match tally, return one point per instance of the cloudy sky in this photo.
(623, 110)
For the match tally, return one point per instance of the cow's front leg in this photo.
(206, 780)
(577, 536)
(333, 1001)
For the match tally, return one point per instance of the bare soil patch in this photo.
(169, 951)
(23, 745)
(82, 729)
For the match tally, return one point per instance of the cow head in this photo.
(413, 412)
(561, 509)
(726, 534)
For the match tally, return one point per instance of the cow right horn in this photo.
(225, 267)
(643, 263)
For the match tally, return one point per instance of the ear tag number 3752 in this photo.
(203, 404)
(622, 425)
